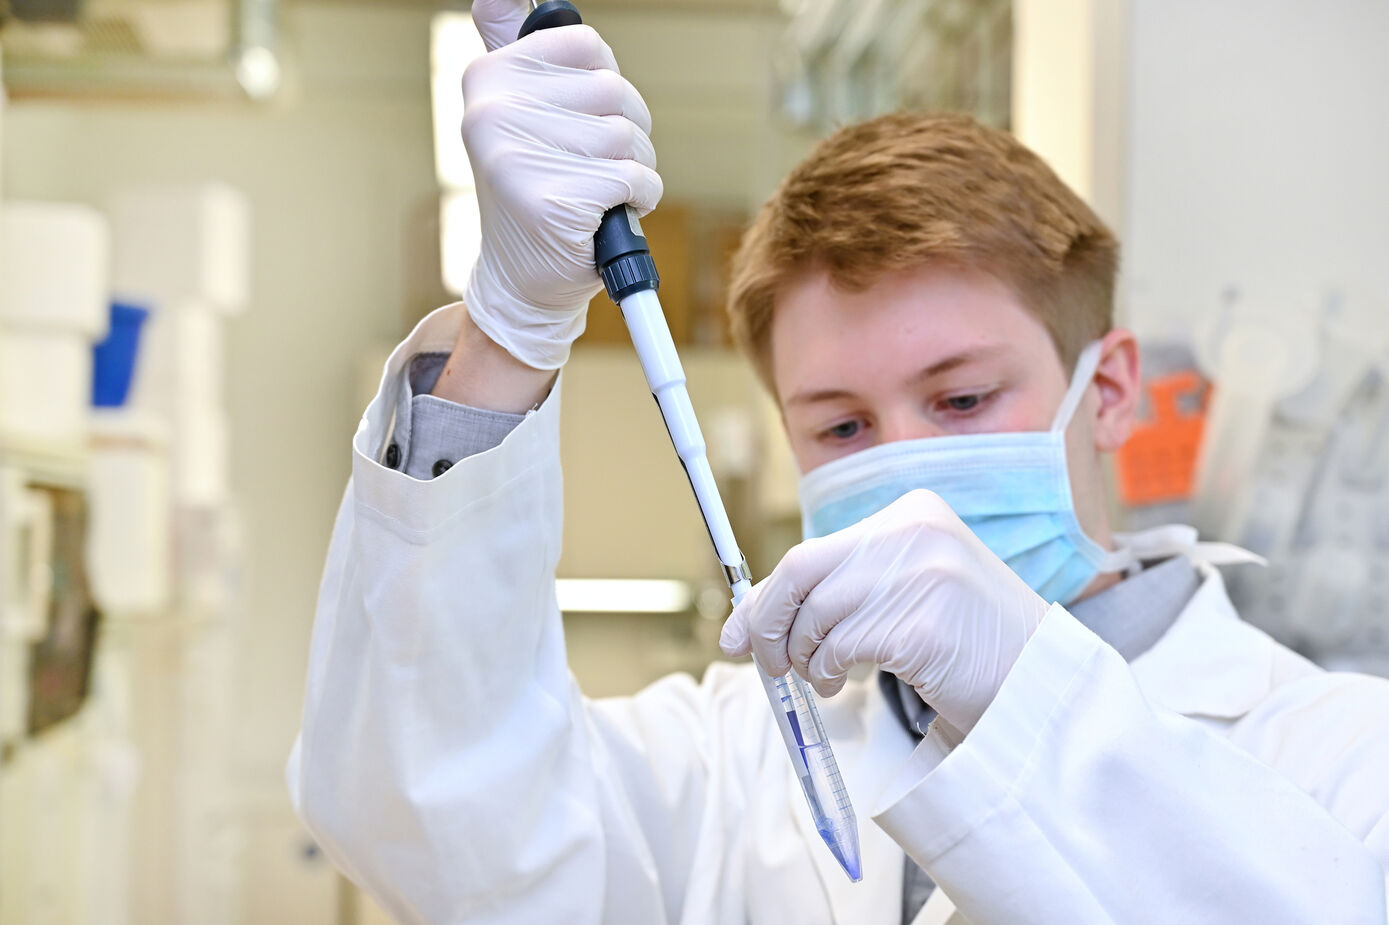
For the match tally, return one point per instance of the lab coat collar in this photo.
(1210, 662)
(859, 714)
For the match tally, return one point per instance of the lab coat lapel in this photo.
(870, 745)
(1210, 662)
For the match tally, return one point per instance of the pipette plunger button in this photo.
(549, 15)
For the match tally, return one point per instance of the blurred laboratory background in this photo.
(218, 216)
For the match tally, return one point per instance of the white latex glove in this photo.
(909, 589)
(498, 21)
(556, 137)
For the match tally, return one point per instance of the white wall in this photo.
(1236, 144)
(1068, 83)
(1257, 143)
(708, 79)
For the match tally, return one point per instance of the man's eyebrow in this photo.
(954, 362)
(811, 396)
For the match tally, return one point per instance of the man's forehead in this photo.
(941, 291)
(921, 322)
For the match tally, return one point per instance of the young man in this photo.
(1070, 726)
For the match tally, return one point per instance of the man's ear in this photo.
(1120, 383)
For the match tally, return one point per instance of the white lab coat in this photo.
(449, 765)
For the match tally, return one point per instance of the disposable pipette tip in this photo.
(846, 855)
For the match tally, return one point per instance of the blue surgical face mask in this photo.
(1013, 490)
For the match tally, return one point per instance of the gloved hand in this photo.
(556, 137)
(910, 589)
(498, 21)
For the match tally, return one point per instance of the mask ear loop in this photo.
(1109, 560)
(1086, 365)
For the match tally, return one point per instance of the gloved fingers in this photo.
(555, 137)
(734, 638)
(605, 160)
(848, 620)
(772, 612)
(498, 21)
(825, 607)
(606, 185)
(615, 138)
(644, 186)
(859, 639)
(826, 673)
(577, 47)
(737, 637)
(640, 148)
(548, 89)
(827, 682)
(546, 63)
(593, 93)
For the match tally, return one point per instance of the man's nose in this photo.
(908, 425)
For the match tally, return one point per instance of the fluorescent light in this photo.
(258, 71)
(622, 595)
(460, 238)
(454, 43)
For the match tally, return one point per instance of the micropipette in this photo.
(629, 274)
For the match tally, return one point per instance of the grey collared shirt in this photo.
(431, 434)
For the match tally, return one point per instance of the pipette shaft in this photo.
(630, 277)
(792, 702)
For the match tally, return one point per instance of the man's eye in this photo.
(963, 402)
(843, 431)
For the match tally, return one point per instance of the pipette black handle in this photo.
(549, 15)
(619, 247)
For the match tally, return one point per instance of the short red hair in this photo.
(909, 189)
